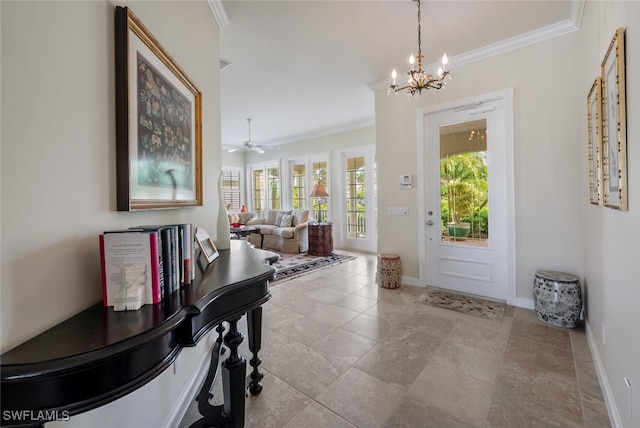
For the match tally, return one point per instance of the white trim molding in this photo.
(550, 31)
(217, 9)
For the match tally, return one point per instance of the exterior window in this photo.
(273, 175)
(231, 190)
(258, 192)
(299, 189)
(355, 197)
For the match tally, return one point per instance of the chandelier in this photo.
(419, 79)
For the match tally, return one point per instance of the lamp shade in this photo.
(319, 192)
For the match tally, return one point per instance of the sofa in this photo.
(241, 218)
(282, 230)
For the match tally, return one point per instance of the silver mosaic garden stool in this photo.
(389, 270)
(557, 298)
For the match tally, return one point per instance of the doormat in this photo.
(293, 266)
(486, 308)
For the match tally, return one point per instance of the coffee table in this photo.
(243, 231)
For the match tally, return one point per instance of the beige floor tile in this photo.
(316, 416)
(276, 349)
(310, 372)
(275, 406)
(510, 408)
(400, 356)
(473, 362)
(473, 334)
(416, 414)
(364, 279)
(532, 358)
(428, 323)
(278, 315)
(356, 303)
(368, 326)
(370, 291)
(345, 346)
(361, 399)
(395, 314)
(546, 392)
(334, 315)
(543, 334)
(303, 304)
(453, 392)
(305, 330)
(328, 295)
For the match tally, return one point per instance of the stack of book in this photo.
(166, 251)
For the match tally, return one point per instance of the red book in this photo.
(118, 248)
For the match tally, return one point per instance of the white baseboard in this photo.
(186, 399)
(522, 302)
(409, 280)
(612, 409)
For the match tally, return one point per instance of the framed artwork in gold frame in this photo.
(594, 126)
(158, 123)
(614, 125)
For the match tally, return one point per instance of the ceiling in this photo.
(302, 69)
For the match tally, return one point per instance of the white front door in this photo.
(468, 182)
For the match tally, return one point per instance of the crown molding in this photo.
(554, 30)
(217, 9)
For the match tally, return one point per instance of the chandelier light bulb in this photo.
(445, 60)
(412, 61)
(439, 71)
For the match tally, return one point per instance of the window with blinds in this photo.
(231, 190)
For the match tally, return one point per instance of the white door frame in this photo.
(368, 245)
(507, 97)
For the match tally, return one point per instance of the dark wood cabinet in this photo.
(320, 239)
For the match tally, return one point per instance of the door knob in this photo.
(430, 223)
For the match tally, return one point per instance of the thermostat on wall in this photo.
(405, 181)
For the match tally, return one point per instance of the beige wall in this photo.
(546, 165)
(58, 158)
(611, 237)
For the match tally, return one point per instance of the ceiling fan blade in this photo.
(234, 149)
(257, 149)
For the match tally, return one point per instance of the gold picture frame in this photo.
(158, 123)
(614, 124)
(594, 126)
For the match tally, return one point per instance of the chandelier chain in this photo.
(419, 33)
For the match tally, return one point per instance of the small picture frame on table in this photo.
(207, 247)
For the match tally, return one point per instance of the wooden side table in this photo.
(320, 239)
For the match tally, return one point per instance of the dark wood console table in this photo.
(100, 355)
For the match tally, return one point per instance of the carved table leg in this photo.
(234, 371)
(254, 324)
(211, 415)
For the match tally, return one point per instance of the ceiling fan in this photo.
(249, 144)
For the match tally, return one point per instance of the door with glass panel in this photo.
(359, 217)
(467, 222)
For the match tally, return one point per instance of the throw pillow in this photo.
(278, 219)
(271, 216)
(287, 221)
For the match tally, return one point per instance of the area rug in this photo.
(463, 303)
(294, 265)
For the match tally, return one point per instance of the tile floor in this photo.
(338, 351)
